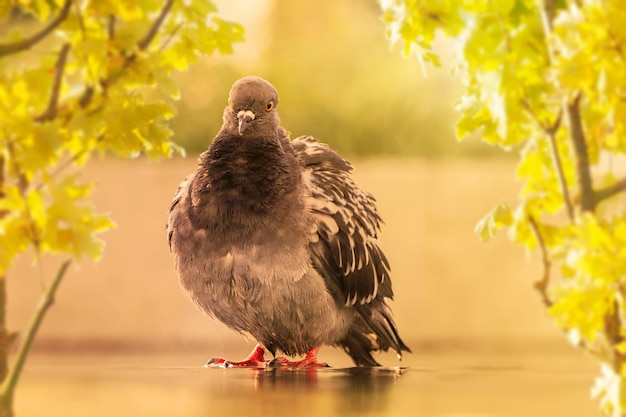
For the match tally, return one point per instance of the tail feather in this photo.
(373, 330)
(378, 318)
(359, 347)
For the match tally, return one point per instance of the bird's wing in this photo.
(169, 226)
(344, 228)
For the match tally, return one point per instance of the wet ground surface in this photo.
(441, 385)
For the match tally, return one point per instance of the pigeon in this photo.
(273, 238)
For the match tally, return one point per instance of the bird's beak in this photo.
(245, 117)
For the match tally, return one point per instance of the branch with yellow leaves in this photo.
(577, 132)
(551, 131)
(583, 167)
(154, 29)
(610, 191)
(613, 334)
(51, 110)
(85, 99)
(12, 48)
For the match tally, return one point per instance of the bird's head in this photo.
(252, 104)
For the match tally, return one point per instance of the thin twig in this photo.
(24, 44)
(23, 184)
(170, 37)
(558, 165)
(154, 29)
(551, 131)
(548, 13)
(45, 302)
(541, 285)
(85, 99)
(549, 10)
(111, 27)
(79, 19)
(51, 111)
(65, 164)
(583, 170)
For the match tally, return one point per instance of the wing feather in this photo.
(344, 249)
(344, 236)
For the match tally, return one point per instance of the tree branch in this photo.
(3, 212)
(80, 20)
(2, 163)
(13, 48)
(51, 111)
(154, 29)
(608, 192)
(45, 302)
(583, 170)
(541, 285)
(6, 338)
(612, 332)
(548, 13)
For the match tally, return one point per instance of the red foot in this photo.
(255, 360)
(309, 361)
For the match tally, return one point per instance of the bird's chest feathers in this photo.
(246, 176)
(246, 213)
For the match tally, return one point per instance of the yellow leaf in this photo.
(496, 219)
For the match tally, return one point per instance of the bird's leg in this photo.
(255, 360)
(309, 361)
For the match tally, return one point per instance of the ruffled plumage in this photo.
(273, 237)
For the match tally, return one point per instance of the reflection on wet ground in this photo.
(445, 387)
(358, 391)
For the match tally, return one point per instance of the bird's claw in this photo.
(256, 360)
(217, 363)
(223, 363)
(306, 363)
(277, 363)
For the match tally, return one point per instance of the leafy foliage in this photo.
(78, 78)
(549, 78)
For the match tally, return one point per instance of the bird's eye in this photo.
(270, 105)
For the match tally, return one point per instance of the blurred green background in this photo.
(338, 79)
